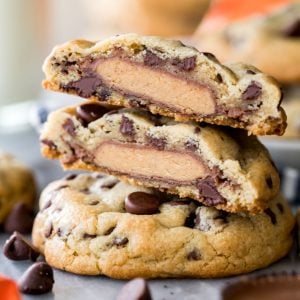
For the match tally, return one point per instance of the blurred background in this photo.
(265, 33)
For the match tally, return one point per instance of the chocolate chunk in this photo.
(18, 248)
(49, 143)
(186, 64)
(194, 255)
(293, 29)
(252, 92)
(151, 59)
(158, 143)
(210, 194)
(126, 127)
(37, 279)
(70, 176)
(272, 216)
(280, 207)
(191, 145)
(269, 182)
(89, 236)
(85, 87)
(48, 230)
(136, 289)
(119, 242)
(140, 203)
(90, 112)
(190, 220)
(69, 127)
(20, 219)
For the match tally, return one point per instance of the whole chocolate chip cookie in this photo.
(218, 166)
(169, 79)
(16, 185)
(271, 41)
(84, 227)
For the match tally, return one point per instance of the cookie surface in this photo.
(167, 78)
(83, 227)
(16, 185)
(220, 167)
(270, 42)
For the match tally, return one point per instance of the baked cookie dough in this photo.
(270, 42)
(92, 225)
(167, 78)
(221, 167)
(16, 185)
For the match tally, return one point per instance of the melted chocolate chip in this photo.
(151, 59)
(37, 279)
(126, 127)
(136, 289)
(69, 127)
(49, 143)
(119, 242)
(186, 64)
(18, 248)
(194, 255)
(140, 203)
(269, 182)
(191, 145)
(85, 87)
(190, 220)
(280, 207)
(210, 194)
(89, 236)
(293, 29)
(252, 92)
(70, 176)
(20, 219)
(90, 112)
(158, 143)
(272, 216)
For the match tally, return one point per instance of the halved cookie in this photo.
(221, 167)
(167, 78)
(96, 225)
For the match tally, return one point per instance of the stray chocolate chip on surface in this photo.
(37, 279)
(136, 289)
(141, 203)
(18, 248)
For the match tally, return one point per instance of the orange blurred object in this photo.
(8, 289)
(223, 12)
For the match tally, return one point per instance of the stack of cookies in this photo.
(189, 191)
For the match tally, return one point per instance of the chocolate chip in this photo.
(210, 194)
(140, 203)
(151, 59)
(69, 127)
(48, 230)
(120, 241)
(293, 29)
(252, 92)
(191, 145)
(126, 127)
(210, 56)
(104, 94)
(49, 143)
(94, 202)
(280, 207)
(235, 112)
(136, 289)
(85, 87)
(109, 185)
(272, 216)
(90, 112)
(250, 72)
(89, 236)
(37, 279)
(197, 130)
(109, 231)
(186, 64)
(194, 255)
(269, 182)
(18, 248)
(158, 143)
(179, 202)
(190, 220)
(47, 204)
(70, 176)
(219, 78)
(20, 219)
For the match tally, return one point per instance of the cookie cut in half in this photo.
(167, 78)
(221, 167)
(87, 225)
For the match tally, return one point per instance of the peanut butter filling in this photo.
(145, 161)
(154, 84)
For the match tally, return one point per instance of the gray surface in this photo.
(25, 146)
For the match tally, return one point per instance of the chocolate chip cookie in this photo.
(93, 224)
(167, 78)
(16, 185)
(221, 167)
(270, 42)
